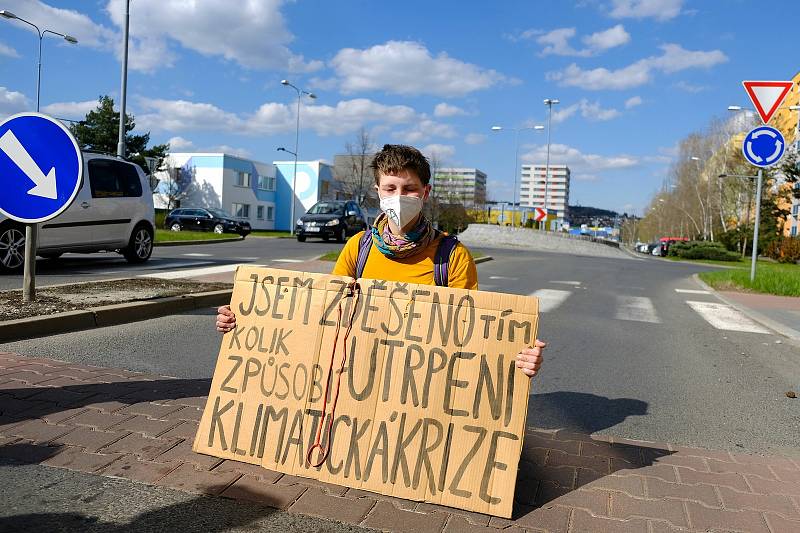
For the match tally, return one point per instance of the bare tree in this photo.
(353, 170)
(173, 184)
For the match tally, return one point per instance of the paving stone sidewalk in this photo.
(124, 424)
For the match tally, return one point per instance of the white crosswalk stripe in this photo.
(723, 316)
(190, 273)
(550, 299)
(637, 309)
(691, 291)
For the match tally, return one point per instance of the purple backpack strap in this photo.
(441, 262)
(364, 246)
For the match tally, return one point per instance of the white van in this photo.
(112, 212)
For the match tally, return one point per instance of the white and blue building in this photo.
(254, 191)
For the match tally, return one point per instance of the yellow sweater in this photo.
(462, 273)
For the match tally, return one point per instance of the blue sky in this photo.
(633, 77)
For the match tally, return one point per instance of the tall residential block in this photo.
(465, 186)
(532, 188)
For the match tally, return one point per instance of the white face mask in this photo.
(401, 209)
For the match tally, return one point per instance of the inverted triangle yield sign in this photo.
(767, 96)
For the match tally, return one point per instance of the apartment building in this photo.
(532, 188)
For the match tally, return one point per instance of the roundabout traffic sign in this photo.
(40, 167)
(763, 146)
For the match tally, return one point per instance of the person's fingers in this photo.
(539, 344)
(226, 319)
(225, 310)
(531, 351)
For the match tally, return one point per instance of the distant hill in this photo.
(583, 211)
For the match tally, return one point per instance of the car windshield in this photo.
(220, 213)
(327, 208)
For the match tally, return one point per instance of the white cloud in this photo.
(446, 110)
(657, 9)
(70, 110)
(425, 128)
(253, 34)
(232, 150)
(676, 58)
(588, 110)
(556, 42)
(270, 118)
(673, 59)
(179, 143)
(404, 67)
(688, 87)
(583, 166)
(7, 51)
(12, 102)
(633, 101)
(475, 138)
(610, 38)
(443, 152)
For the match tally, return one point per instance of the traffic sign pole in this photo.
(755, 229)
(29, 272)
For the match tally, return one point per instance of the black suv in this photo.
(332, 218)
(196, 219)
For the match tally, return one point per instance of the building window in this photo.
(242, 179)
(270, 213)
(266, 183)
(795, 209)
(794, 230)
(240, 210)
(260, 212)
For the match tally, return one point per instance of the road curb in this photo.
(109, 315)
(201, 241)
(483, 259)
(782, 329)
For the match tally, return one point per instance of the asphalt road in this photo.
(627, 354)
(87, 267)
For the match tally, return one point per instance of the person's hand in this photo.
(226, 320)
(529, 360)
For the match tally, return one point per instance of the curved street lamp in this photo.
(516, 163)
(69, 38)
(300, 93)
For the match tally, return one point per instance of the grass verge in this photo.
(730, 264)
(771, 278)
(164, 235)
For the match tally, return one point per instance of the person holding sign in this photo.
(402, 245)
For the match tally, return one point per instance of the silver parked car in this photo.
(112, 212)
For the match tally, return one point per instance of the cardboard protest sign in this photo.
(402, 389)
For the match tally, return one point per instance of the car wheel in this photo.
(140, 246)
(12, 248)
(341, 236)
(219, 228)
(175, 226)
(301, 238)
(52, 256)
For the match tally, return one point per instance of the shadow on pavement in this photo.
(581, 412)
(199, 514)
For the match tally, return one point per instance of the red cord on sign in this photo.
(352, 289)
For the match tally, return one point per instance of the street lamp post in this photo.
(29, 270)
(124, 82)
(549, 102)
(516, 164)
(300, 93)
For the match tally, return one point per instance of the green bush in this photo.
(702, 250)
(161, 214)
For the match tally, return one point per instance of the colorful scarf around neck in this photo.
(399, 246)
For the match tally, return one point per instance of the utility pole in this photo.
(124, 83)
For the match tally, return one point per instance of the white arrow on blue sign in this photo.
(40, 167)
(764, 146)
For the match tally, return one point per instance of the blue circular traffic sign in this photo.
(764, 146)
(40, 167)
